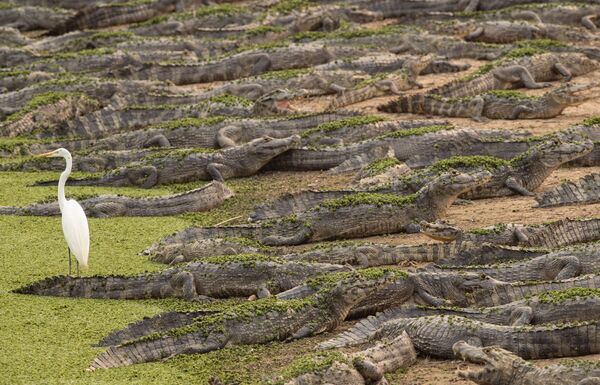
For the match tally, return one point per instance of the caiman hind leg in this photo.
(219, 171)
(518, 74)
(564, 267)
(520, 316)
(144, 177)
(517, 187)
(157, 141)
(588, 22)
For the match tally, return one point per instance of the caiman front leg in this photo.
(144, 177)
(184, 281)
(564, 71)
(475, 34)
(518, 73)
(280, 240)
(477, 105)
(336, 88)
(588, 22)
(157, 141)
(521, 316)
(219, 171)
(517, 187)
(518, 110)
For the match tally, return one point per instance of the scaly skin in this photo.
(364, 367)
(101, 16)
(585, 190)
(288, 320)
(577, 305)
(243, 160)
(529, 71)
(505, 368)
(435, 335)
(328, 223)
(497, 106)
(105, 206)
(401, 80)
(33, 17)
(521, 176)
(499, 32)
(193, 281)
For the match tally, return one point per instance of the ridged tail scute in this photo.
(585, 190)
(406, 104)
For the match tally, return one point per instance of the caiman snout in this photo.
(277, 144)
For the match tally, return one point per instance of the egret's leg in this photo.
(77, 263)
(69, 261)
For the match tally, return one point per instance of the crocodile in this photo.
(28, 18)
(363, 367)
(14, 57)
(528, 71)
(568, 305)
(521, 175)
(499, 32)
(105, 206)
(211, 132)
(106, 15)
(46, 112)
(13, 81)
(193, 165)
(109, 121)
(235, 66)
(12, 37)
(558, 265)
(585, 190)
(435, 335)
(209, 248)
(259, 322)
(501, 367)
(421, 146)
(216, 277)
(499, 104)
(395, 82)
(387, 62)
(380, 213)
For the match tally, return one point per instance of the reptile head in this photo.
(273, 146)
(568, 93)
(578, 64)
(444, 66)
(358, 287)
(563, 148)
(274, 102)
(454, 183)
(452, 287)
(500, 366)
(440, 231)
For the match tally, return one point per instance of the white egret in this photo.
(74, 221)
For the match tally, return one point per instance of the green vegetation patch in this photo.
(38, 101)
(379, 166)
(264, 29)
(287, 6)
(342, 123)
(364, 198)
(229, 100)
(4, 5)
(6, 74)
(247, 260)
(496, 229)
(350, 34)
(591, 121)
(487, 162)
(188, 122)
(83, 53)
(417, 131)
(217, 9)
(326, 282)
(510, 94)
(560, 296)
(286, 73)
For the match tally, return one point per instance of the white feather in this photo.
(75, 229)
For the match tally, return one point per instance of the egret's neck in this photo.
(61, 183)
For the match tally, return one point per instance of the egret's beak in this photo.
(50, 154)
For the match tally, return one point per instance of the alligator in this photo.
(28, 18)
(259, 322)
(395, 82)
(110, 121)
(380, 213)
(585, 190)
(558, 265)
(528, 71)
(501, 367)
(499, 104)
(435, 335)
(106, 15)
(209, 248)
(216, 277)
(105, 206)
(14, 57)
(46, 112)
(236, 66)
(521, 175)
(179, 166)
(363, 367)
(568, 305)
